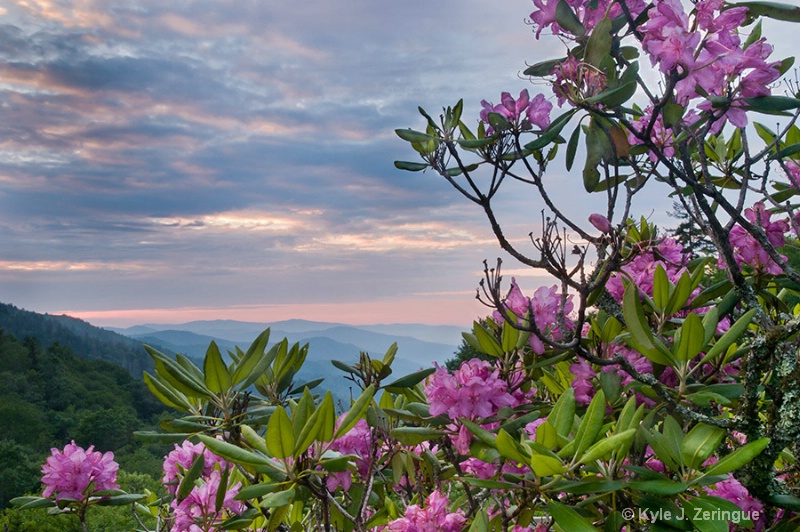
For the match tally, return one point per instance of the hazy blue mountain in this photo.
(415, 346)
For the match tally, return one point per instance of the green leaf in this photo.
(778, 11)
(278, 498)
(658, 487)
(641, 337)
(409, 381)
(572, 146)
(710, 522)
(552, 132)
(250, 360)
(412, 436)
(27, 502)
(692, 336)
(544, 465)
(489, 344)
(234, 453)
(562, 415)
(661, 288)
(511, 448)
(179, 377)
(316, 427)
(410, 166)
(731, 335)
(479, 432)
(700, 443)
(568, 20)
(738, 458)
(217, 376)
(772, 104)
(356, 411)
(544, 68)
(409, 135)
(590, 426)
(567, 518)
(280, 436)
(606, 446)
(194, 472)
(166, 394)
(615, 97)
(599, 46)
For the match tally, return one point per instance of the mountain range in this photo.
(419, 345)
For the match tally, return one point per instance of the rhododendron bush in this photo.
(634, 393)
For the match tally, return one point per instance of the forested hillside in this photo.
(83, 339)
(49, 396)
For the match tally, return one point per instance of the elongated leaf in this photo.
(661, 288)
(599, 44)
(731, 335)
(192, 474)
(356, 411)
(572, 146)
(589, 428)
(317, 425)
(778, 11)
(415, 435)
(699, 443)
(738, 458)
(568, 20)
(771, 104)
(488, 342)
(250, 359)
(692, 336)
(511, 448)
(410, 166)
(563, 413)
(409, 381)
(636, 323)
(178, 376)
(544, 68)
(167, 394)
(280, 436)
(217, 376)
(606, 446)
(658, 487)
(409, 135)
(234, 453)
(544, 465)
(568, 519)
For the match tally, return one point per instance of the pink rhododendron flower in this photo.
(181, 458)
(747, 249)
(668, 253)
(198, 511)
(69, 473)
(356, 441)
(582, 383)
(733, 491)
(433, 517)
(521, 112)
(473, 390)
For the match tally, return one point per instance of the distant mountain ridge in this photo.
(416, 342)
(84, 339)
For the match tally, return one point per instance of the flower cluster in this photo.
(357, 441)
(667, 253)
(181, 458)
(199, 511)
(433, 517)
(473, 390)
(546, 309)
(747, 250)
(69, 474)
(522, 112)
(589, 12)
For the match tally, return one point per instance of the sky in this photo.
(172, 161)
